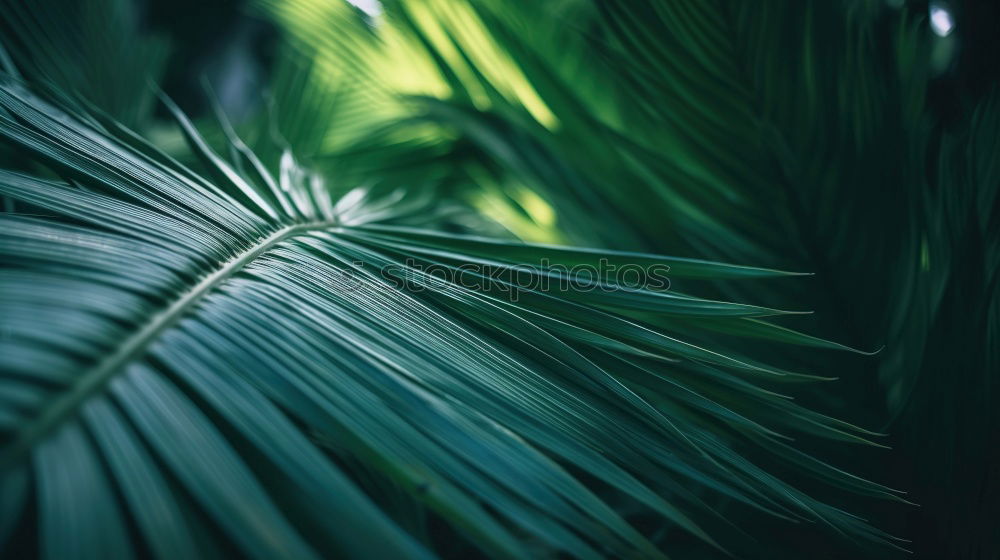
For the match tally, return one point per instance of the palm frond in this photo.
(199, 360)
(796, 135)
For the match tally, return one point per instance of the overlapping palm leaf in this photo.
(788, 134)
(227, 359)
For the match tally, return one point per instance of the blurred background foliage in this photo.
(854, 139)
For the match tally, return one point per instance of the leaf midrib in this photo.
(97, 377)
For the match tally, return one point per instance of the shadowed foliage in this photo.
(333, 309)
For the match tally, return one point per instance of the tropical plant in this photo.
(318, 330)
(853, 139)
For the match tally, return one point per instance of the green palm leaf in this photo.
(197, 362)
(843, 138)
